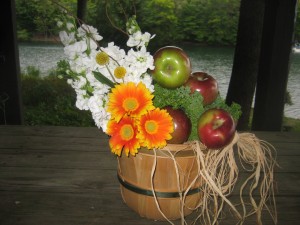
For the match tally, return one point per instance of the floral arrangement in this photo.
(117, 88)
(127, 104)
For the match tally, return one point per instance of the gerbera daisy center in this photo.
(151, 126)
(130, 104)
(127, 132)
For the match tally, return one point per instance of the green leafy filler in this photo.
(191, 103)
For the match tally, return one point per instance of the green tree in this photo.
(109, 17)
(38, 17)
(297, 26)
(211, 22)
(160, 17)
(24, 11)
(173, 21)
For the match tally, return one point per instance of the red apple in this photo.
(216, 128)
(205, 84)
(182, 125)
(172, 67)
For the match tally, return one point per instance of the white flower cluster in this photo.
(81, 48)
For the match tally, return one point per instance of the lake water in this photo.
(216, 61)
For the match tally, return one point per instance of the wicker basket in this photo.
(161, 184)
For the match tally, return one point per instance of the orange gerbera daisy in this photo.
(123, 136)
(155, 128)
(131, 99)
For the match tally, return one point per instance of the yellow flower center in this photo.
(120, 72)
(130, 104)
(127, 132)
(151, 126)
(102, 58)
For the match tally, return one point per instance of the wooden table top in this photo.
(67, 176)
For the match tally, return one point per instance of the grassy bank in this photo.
(51, 101)
(291, 124)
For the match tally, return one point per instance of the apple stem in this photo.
(170, 68)
(202, 78)
(218, 123)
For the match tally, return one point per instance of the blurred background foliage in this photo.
(211, 22)
(51, 101)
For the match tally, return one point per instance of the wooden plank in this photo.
(49, 143)
(57, 180)
(67, 179)
(63, 208)
(59, 160)
(29, 138)
(81, 158)
(275, 137)
(66, 175)
(51, 131)
(90, 144)
(64, 159)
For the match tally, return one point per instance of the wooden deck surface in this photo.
(67, 176)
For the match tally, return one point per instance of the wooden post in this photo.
(276, 45)
(246, 58)
(10, 95)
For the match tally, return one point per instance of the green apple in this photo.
(172, 67)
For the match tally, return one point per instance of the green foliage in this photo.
(32, 71)
(190, 103)
(109, 17)
(173, 21)
(38, 17)
(291, 124)
(234, 109)
(160, 17)
(23, 35)
(211, 22)
(51, 101)
(288, 98)
(297, 25)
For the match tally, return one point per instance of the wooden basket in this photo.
(171, 173)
